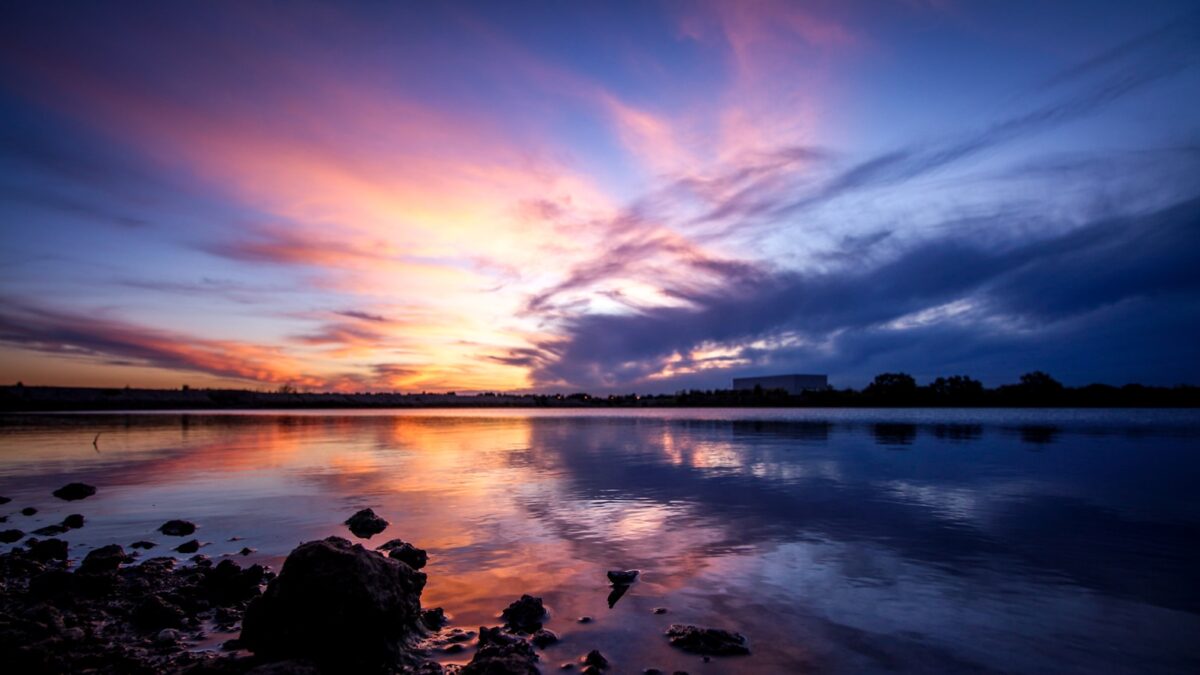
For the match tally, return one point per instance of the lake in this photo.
(837, 541)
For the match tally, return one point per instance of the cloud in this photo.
(992, 301)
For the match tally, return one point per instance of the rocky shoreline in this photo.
(334, 607)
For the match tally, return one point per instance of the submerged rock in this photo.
(337, 604)
(74, 491)
(188, 546)
(406, 553)
(712, 641)
(501, 654)
(49, 549)
(9, 536)
(623, 577)
(5, 500)
(73, 521)
(142, 544)
(544, 638)
(50, 530)
(365, 524)
(525, 615)
(177, 528)
(28, 511)
(103, 560)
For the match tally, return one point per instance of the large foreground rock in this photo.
(344, 607)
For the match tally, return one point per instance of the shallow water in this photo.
(840, 541)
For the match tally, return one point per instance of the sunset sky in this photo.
(604, 196)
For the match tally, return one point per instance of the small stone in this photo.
(73, 521)
(596, 659)
(167, 636)
(623, 577)
(584, 619)
(567, 666)
(142, 544)
(177, 528)
(365, 524)
(50, 549)
(188, 546)
(525, 614)
(544, 638)
(103, 560)
(712, 641)
(74, 491)
(406, 553)
(28, 511)
(9, 536)
(246, 550)
(660, 610)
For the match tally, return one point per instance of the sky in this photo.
(599, 196)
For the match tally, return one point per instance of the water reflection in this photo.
(812, 536)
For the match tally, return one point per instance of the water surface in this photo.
(840, 541)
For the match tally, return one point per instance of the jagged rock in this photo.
(406, 553)
(49, 549)
(623, 577)
(228, 583)
(74, 491)
(153, 612)
(365, 524)
(595, 659)
(103, 560)
(712, 641)
(28, 511)
(142, 544)
(73, 521)
(501, 654)
(338, 604)
(190, 546)
(177, 528)
(9, 536)
(544, 638)
(433, 618)
(525, 614)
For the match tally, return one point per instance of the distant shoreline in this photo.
(16, 399)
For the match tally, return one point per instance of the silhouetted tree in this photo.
(1038, 382)
(892, 386)
(958, 388)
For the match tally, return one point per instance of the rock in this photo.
(73, 521)
(246, 550)
(433, 618)
(651, 671)
(188, 546)
(74, 491)
(618, 591)
(231, 645)
(28, 511)
(50, 530)
(406, 553)
(453, 648)
(142, 544)
(660, 610)
(103, 560)
(5, 500)
(49, 549)
(544, 638)
(227, 583)
(365, 524)
(501, 654)
(73, 634)
(713, 641)
(525, 615)
(177, 528)
(338, 604)
(595, 659)
(584, 619)
(9, 536)
(167, 636)
(623, 577)
(155, 613)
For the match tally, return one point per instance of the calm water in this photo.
(837, 541)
